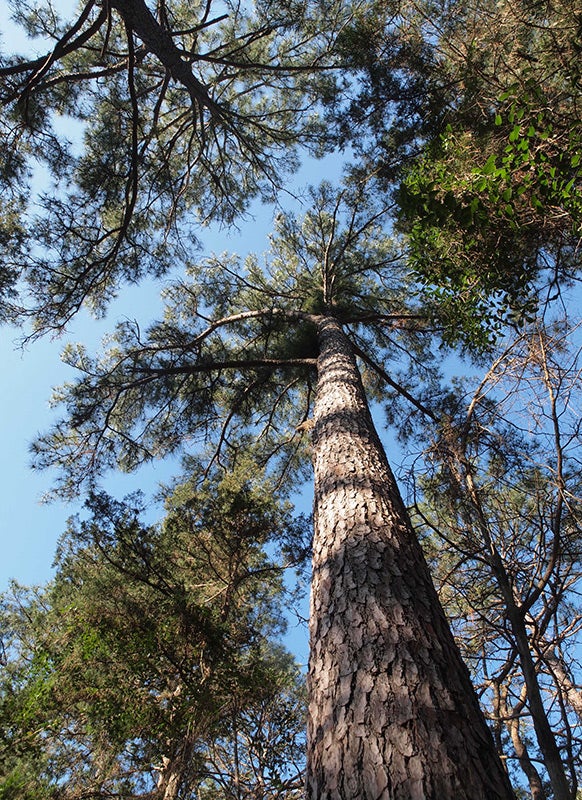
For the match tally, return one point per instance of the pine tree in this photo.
(237, 361)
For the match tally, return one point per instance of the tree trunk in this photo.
(534, 780)
(516, 615)
(541, 723)
(174, 767)
(392, 712)
(563, 679)
(513, 725)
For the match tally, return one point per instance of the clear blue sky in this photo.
(29, 530)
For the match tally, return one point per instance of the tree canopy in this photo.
(235, 356)
(459, 220)
(185, 113)
(153, 652)
(148, 124)
(486, 170)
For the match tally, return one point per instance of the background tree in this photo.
(152, 649)
(501, 517)
(261, 752)
(392, 710)
(483, 150)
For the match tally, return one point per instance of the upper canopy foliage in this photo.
(488, 167)
(186, 112)
(235, 355)
(148, 123)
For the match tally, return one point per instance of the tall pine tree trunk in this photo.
(393, 714)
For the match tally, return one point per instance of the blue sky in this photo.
(29, 529)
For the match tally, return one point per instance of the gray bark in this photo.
(544, 733)
(516, 616)
(533, 777)
(392, 712)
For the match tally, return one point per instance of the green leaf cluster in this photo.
(484, 214)
(469, 115)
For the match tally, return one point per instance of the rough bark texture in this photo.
(393, 714)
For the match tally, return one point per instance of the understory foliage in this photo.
(152, 656)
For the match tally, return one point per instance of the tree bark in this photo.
(392, 712)
(534, 780)
(541, 723)
(174, 767)
(515, 614)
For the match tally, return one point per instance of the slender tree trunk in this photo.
(171, 775)
(392, 712)
(562, 677)
(544, 733)
(513, 725)
(534, 780)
